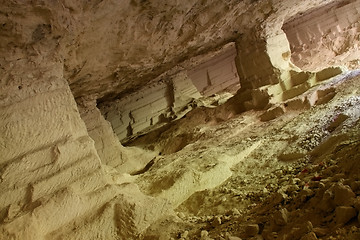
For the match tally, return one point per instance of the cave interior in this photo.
(139, 119)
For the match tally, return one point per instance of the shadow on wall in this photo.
(167, 99)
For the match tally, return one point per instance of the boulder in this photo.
(281, 217)
(344, 214)
(343, 195)
(251, 230)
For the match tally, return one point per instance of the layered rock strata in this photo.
(51, 173)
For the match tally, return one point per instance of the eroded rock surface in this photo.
(76, 77)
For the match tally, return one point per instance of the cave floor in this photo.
(235, 177)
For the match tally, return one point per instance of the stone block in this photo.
(320, 232)
(272, 114)
(337, 121)
(295, 91)
(281, 217)
(344, 214)
(297, 78)
(321, 96)
(328, 73)
(297, 104)
(344, 196)
(251, 230)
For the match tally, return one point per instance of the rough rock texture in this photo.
(51, 174)
(327, 36)
(310, 193)
(109, 48)
(107, 145)
(160, 102)
(64, 173)
(217, 74)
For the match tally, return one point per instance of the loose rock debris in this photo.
(302, 181)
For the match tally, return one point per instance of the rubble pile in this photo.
(312, 195)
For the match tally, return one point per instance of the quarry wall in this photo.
(152, 104)
(216, 74)
(45, 151)
(325, 36)
(52, 177)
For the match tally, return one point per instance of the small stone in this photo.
(281, 217)
(181, 215)
(269, 235)
(305, 194)
(309, 236)
(338, 177)
(278, 198)
(320, 232)
(216, 222)
(230, 237)
(344, 196)
(233, 238)
(321, 185)
(302, 229)
(307, 226)
(204, 235)
(13, 210)
(355, 186)
(344, 214)
(235, 211)
(295, 180)
(185, 234)
(251, 230)
(292, 188)
(326, 204)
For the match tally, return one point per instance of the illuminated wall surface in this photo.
(179, 120)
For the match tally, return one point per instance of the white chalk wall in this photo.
(217, 74)
(163, 100)
(150, 105)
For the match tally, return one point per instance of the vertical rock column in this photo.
(47, 158)
(253, 62)
(107, 145)
(255, 70)
(267, 75)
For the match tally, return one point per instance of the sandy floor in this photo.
(234, 177)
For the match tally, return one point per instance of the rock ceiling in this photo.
(110, 48)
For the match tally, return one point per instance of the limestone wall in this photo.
(52, 179)
(166, 99)
(267, 75)
(253, 62)
(326, 36)
(107, 145)
(45, 150)
(217, 74)
(150, 105)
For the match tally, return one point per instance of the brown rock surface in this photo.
(343, 214)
